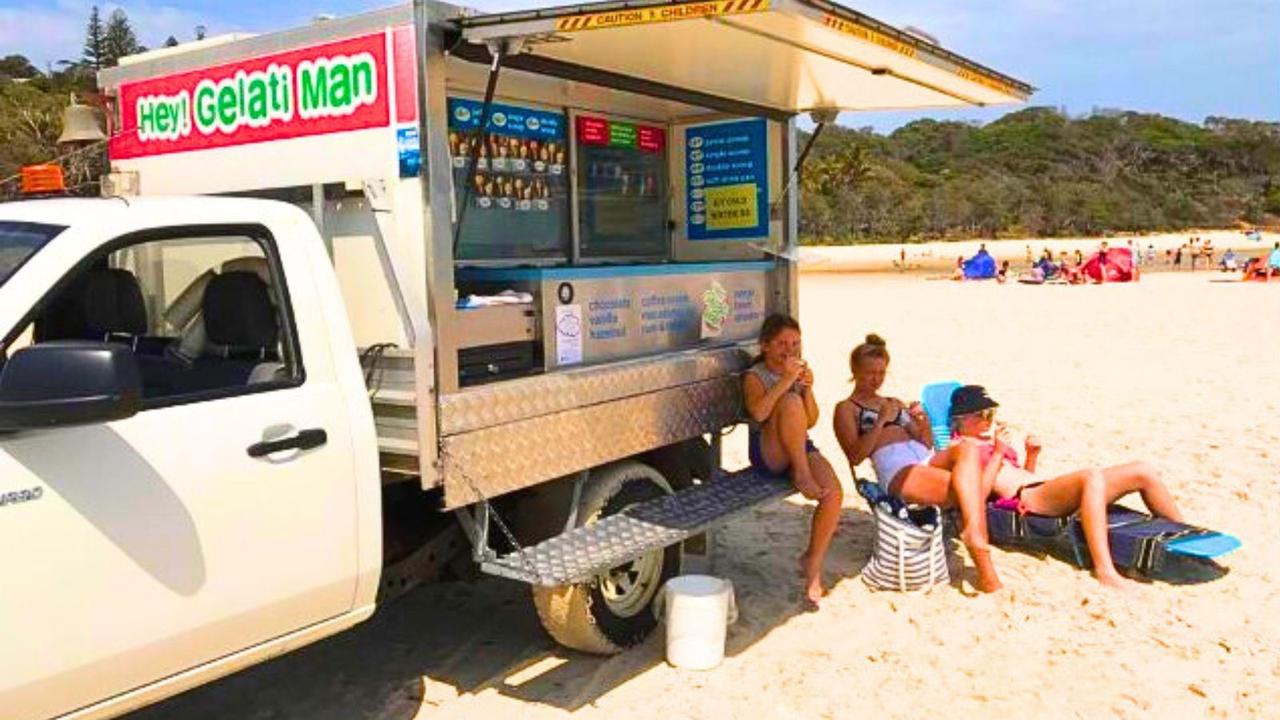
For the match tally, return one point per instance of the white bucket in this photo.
(697, 608)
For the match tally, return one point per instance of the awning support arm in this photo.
(498, 50)
(804, 153)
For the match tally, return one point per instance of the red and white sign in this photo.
(593, 131)
(329, 88)
(649, 138)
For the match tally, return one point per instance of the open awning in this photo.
(783, 56)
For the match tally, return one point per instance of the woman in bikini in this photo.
(897, 439)
(778, 394)
(1089, 490)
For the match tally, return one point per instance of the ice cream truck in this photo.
(382, 296)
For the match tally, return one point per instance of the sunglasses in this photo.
(987, 415)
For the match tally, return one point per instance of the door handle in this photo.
(304, 440)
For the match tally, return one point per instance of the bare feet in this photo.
(812, 572)
(988, 581)
(813, 591)
(1115, 581)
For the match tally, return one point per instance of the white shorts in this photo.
(890, 459)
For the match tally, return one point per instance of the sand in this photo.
(1180, 369)
(941, 256)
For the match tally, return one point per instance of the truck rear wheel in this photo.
(612, 611)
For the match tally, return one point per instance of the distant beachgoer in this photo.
(1177, 258)
(1030, 258)
(1003, 273)
(778, 395)
(1151, 254)
(959, 271)
(1228, 261)
(1272, 265)
(1088, 491)
(1079, 257)
(1102, 263)
(902, 258)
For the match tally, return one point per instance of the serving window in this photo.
(518, 203)
(622, 188)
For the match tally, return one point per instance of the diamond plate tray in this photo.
(585, 552)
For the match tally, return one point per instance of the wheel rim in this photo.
(627, 589)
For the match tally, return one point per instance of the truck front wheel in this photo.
(612, 611)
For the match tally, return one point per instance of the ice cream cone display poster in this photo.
(519, 181)
(726, 171)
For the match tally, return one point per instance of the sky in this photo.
(1185, 58)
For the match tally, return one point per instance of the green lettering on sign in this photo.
(622, 135)
(206, 110)
(313, 98)
(257, 88)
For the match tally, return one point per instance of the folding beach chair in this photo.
(1141, 544)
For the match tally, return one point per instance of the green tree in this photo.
(119, 39)
(17, 67)
(94, 41)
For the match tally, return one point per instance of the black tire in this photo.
(613, 611)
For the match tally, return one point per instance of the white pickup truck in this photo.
(385, 292)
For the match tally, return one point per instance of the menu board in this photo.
(726, 173)
(519, 200)
(622, 188)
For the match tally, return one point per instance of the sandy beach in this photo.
(1180, 369)
(941, 256)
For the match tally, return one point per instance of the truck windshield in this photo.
(19, 241)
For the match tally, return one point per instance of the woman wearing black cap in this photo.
(1089, 490)
(897, 439)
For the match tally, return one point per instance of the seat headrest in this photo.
(113, 302)
(238, 311)
(102, 301)
(249, 263)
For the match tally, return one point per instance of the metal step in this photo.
(585, 552)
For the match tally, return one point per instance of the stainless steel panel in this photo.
(505, 402)
(631, 316)
(516, 455)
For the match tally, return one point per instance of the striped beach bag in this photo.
(909, 553)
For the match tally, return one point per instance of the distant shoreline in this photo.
(940, 256)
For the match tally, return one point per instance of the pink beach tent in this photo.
(1119, 266)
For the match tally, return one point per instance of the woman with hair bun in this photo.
(897, 439)
(778, 394)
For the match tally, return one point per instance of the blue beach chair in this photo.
(1143, 545)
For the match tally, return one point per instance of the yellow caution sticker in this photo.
(853, 29)
(732, 207)
(866, 33)
(665, 13)
(985, 81)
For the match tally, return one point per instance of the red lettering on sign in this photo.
(650, 139)
(593, 130)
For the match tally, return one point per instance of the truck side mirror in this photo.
(63, 383)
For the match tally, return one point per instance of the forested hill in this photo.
(1036, 172)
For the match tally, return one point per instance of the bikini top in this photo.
(867, 418)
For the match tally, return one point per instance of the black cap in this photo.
(968, 399)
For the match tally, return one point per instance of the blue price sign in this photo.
(521, 122)
(726, 176)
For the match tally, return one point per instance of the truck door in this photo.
(218, 517)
